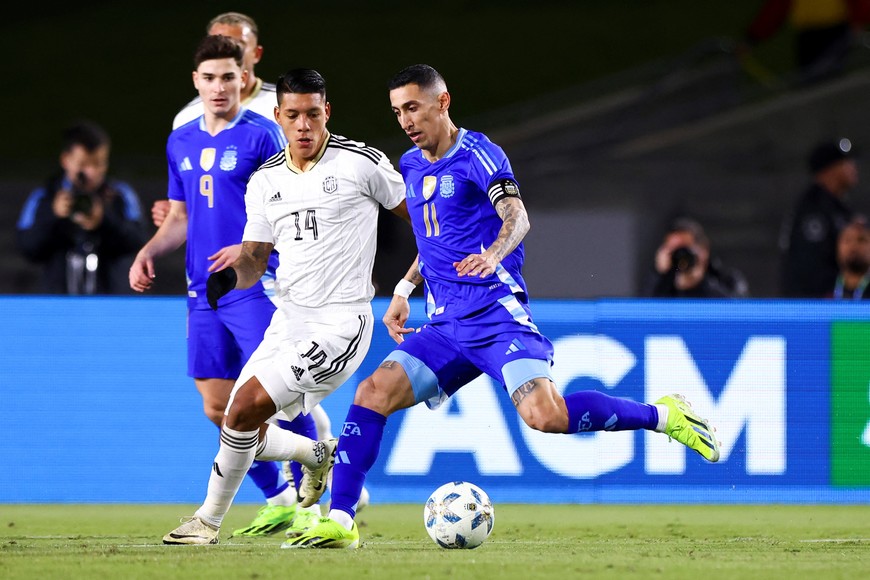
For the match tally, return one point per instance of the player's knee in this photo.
(215, 413)
(382, 394)
(545, 419)
(250, 408)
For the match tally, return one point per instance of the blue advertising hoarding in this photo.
(98, 407)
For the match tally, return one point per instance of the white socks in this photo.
(663, 417)
(234, 458)
(342, 517)
(281, 445)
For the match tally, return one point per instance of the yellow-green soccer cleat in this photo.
(327, 533)
(270, 519)
(689, 429)
(306, 518)
(192, 531)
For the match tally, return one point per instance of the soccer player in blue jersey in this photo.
(209, 161)
(469, 223)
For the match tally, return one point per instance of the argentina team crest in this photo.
(330, 184)
(447, 188)
(206, 158)
(229, 159)
(429, 183)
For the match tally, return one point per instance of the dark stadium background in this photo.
(617, 115)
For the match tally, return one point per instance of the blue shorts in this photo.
(500, 340)
(220, 342)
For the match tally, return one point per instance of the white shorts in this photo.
(307, 353)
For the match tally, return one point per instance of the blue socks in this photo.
(358, 448)
(594, 411)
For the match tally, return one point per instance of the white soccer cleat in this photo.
(192, 531)
(314, 479)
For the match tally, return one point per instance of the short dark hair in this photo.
(217, 46)
(691, 226)
(234, 19)
(422, 75)
(86, 134)
(303, 81)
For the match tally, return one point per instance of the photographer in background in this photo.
(84, 228)
(684, 269)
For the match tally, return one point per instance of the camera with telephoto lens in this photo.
(83, 201)
(683, 259)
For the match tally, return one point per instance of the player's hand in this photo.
(396, 316)
(61, 205)
(481, 265)
(159, 211)
(142, 273)
(219, 284)
(225, 257)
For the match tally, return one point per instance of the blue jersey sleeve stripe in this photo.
(132, 209)
(28, 214)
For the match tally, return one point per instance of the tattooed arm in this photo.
(515, 225)
(251, 264)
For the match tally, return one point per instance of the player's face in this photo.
(219, 83)
(242, 34)
(303, 118)
(421, 114)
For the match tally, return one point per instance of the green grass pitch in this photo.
(785, 542)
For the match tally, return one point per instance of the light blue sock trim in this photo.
(522, 370)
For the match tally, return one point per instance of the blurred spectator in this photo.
(825, 31)
(685, 269)
(83, 227)
(808, 238)
(853, 257)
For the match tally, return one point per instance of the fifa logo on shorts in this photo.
(349, 429)
(330, 184)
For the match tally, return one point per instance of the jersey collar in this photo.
(289, 161)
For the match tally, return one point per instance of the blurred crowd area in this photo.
(614, 131)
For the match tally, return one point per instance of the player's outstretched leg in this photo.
(688, 428)
(328, 533)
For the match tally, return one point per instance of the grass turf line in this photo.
(528, 541)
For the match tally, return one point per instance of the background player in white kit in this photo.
(316, 203)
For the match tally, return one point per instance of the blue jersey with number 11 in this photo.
(210, 174)
(453, 217)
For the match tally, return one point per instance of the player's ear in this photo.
(194, 76)
(444, 101)
(245, 76)
(328, 110)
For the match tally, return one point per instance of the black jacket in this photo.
(809, 243)
(51, 241)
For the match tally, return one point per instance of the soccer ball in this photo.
(458, 515)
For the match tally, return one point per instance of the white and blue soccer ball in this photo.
(459, 515)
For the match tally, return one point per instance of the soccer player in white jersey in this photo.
(257, 96)
(317, 203)
(469, 223)
(209, 163)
